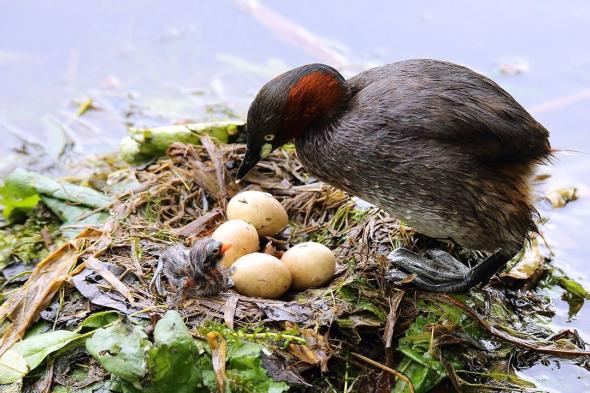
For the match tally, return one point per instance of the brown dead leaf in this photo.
(394, 302)
(229, 311)
(25, 305)
(316, 351)
(218, 355)
(561, 197)
(197, 226)
(99, 267)
(530, 267)
(270, 249)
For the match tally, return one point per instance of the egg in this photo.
(311, 264)
(242, 236)
(260, 209)
(260, 275)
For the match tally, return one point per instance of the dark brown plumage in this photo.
(433, 143)
(193, 270)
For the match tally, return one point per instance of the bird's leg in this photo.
(440, 272)
(183, 286)
(157, 280)
(177, 298)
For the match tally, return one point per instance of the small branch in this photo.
(386, 369)
(503, 335)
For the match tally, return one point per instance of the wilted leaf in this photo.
(99, 267)
(316, 351)
(280, 311)
(22, 183)
(85, 106)
(278, 368)
(24, 306)
(73, 217)
(530, 265)
(561, 197)
(92, 291)
(218, 358)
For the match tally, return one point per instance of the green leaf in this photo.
(245, 371)
(32, 351)
(72, 216)
(13, 367)
(16, 205)
(423, 377)
(39, 327)
(512, 378)
(100, 319)
(145, 143)
(22, 183)
(173, 358)
(73, 204)
(175, 362)
(36, 348)
(573, 287)
(121, 349)
(424, 370)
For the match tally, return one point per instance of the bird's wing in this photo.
(452, 104)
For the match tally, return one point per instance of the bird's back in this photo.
(437, 145)
(453, 104)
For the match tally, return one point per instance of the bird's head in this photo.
(290, 104)
(206, 253)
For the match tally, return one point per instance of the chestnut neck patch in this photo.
(315, 98)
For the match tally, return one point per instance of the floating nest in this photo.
(360, 332)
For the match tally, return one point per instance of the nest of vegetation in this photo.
(360, 332)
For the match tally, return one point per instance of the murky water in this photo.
(155, 62)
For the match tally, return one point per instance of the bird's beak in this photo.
(250, 159)
(224, 248)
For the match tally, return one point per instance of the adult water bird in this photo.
(433, 143)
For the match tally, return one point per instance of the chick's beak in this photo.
(224, 248)
(250, 159)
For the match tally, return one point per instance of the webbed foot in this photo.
(438, 271)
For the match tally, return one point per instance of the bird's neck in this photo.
(315, 100)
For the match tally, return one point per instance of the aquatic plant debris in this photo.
(146, 143)
(23, 307)
(175, 362)
(27, 354)
(359, 332)
(23, 184)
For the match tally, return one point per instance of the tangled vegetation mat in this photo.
(78, 315)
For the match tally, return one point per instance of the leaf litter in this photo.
(360, 332)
